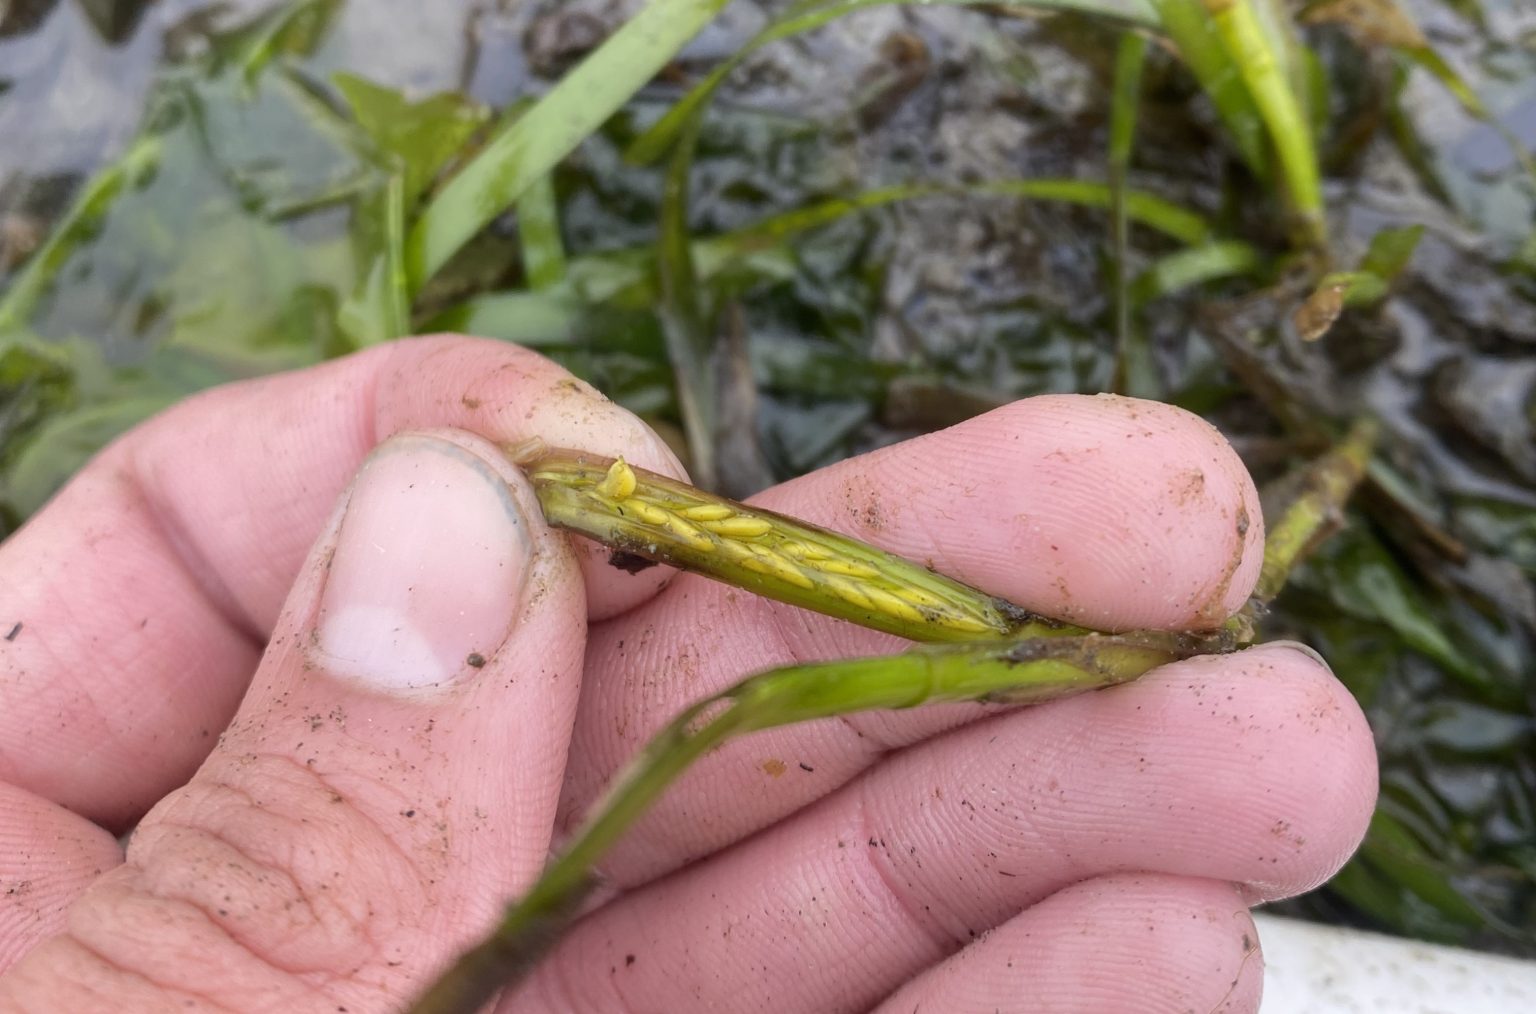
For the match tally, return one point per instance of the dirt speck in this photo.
(1187, 485)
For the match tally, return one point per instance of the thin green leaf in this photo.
(536, 319)
(1199, 44)
(683, 315)
(130, 169)
(1265, 71)
(551, 129)
(1356, 574)
(67, 440)
(808, 16)
(1147, 209)
(1390, 251)
(291, 28)
(627, 277)
(538, 233)
(381, 310)
(1022, 672)
(1393, 849)
(1199, 264)
(1130, 57)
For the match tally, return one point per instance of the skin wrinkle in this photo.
(134, 892)
(226, 825)
(115, 995)
(172, 530)
(224, 917)
(884, 875)
(112, 724)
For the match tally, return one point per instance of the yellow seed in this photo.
(649, 513)
(619, 483)
(890, 605)
(739, 527)
(969, 624)
(737, 551)
(923, 599)
(689, 534)
(848, 592)
(846, 568)
(766, 561)
(805, 551)
(708, 512)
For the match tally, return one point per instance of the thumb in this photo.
(389, 780)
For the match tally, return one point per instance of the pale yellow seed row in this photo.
(845, 568)
(807, 551)
(695, 524)
(766, 561)
(690, 534)
(739, 527)
(708, 512)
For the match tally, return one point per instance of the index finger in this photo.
(141, 597)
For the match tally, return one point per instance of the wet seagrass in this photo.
(988, 650)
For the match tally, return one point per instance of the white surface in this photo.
(1312, 969)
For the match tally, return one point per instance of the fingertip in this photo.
(512, 394)
(1338, 776)
(1142, 942)
(48, 856)
(1277, 749)
(1122, 512)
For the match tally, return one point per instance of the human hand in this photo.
(350, 829)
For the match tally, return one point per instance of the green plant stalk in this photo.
(1147, 209)
(1317, 510)
(1009, 672)
(380, 310)
(141, 159)
(684, 322)
(1264, 72)
(1130, 58)
(538, 233)
(1194, 35)
(530, 146)
(659, 519)
(1195, 265)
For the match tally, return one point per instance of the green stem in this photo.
(683, 319)
(1263, 71)
(1129, 60)
(1010, 672)
(551, 129)
(538, 234)
(1318, 509)
(141, 159)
